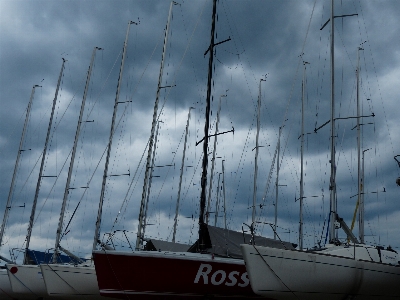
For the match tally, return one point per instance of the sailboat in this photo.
(26, 279)
(337, 271)
(79, 280)
(66, 279)
(333, 273)
(5, 286)
(212, 267)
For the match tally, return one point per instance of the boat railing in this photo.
(285, 245)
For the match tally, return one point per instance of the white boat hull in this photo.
(70, 281)
(26, 281)
(292, 274)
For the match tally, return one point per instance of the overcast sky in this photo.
(268, 40)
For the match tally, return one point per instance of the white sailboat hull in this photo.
(292, 274)
(26, 281)
(70, 281)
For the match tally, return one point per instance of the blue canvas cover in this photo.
(39, 257)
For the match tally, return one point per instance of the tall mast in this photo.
(139, 240)
(180, 177)
(32, 217)
(253, 216)
(360, 179)
(301, 159)
(71, 164)
(103, 185)
(202, 225)
(213, 158)
(333, 234)
(332, 186)
(20, 150)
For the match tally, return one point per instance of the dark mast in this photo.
(202, 225)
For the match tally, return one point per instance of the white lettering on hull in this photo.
(219, 277)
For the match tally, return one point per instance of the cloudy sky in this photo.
(268, 40)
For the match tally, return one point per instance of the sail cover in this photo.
(226, 242)
(219, 241)
(158, 245)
